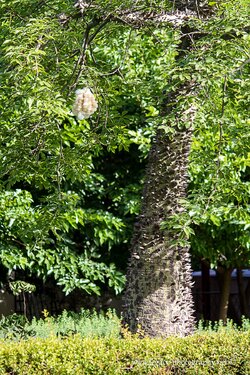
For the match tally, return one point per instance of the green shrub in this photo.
(224, 352)
(86, 324)
(209, 326)
(13, 326)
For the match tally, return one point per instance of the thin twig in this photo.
(220, 123)
(80, 60)
(241, 66)
(58, 173)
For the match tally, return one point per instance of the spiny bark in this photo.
(158, 294)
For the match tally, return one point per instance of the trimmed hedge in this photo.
(224, 352)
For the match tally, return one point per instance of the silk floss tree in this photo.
(158, 298)
(158, 295)
(158, 292)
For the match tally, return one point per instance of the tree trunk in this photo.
(158, 294)
(242, 293)
(225, 283)
(205, 284)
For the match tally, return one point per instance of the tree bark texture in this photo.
(158, 295)
(242, 294)
(224, 275)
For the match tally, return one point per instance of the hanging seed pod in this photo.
(85, 104)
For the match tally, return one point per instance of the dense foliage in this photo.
(70, 189)
(217, 216)
(87, 324)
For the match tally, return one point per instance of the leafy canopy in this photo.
(65, 208)
(217, 216)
